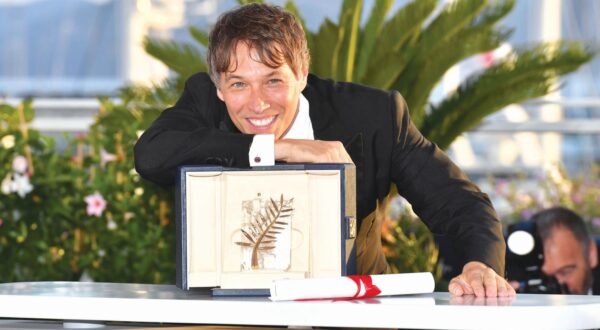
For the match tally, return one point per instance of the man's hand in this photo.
(311, 151)
(480, 280)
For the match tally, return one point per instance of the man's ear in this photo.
(593, 254)
(220, 94)
(303, 78)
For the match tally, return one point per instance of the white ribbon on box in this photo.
(349, 287)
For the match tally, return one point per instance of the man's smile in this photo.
(262, 122)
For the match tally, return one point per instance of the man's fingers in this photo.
(481, 282)
(505, 289)
(459, 287)
(490, 284)
(455, 288)
(476, 284)
(510, 290)
(501, 284)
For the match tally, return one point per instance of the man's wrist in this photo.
(280, 149)
(262, 150)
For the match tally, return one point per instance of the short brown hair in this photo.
(275, 35)
(549, 219)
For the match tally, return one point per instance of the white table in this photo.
(142, 303)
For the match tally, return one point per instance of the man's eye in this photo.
(274, 81)
(238, 85)
(566, 272)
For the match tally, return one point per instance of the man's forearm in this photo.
(163, 148)
(311, 151)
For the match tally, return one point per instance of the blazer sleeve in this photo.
(442, 195)
(192, 132)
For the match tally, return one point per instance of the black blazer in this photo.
(376, 129)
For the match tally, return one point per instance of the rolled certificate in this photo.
(350, 287)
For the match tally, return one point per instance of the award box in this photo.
(243, 228)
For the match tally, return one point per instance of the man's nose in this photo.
(257, 101)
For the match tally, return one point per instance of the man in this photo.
(570, 254)
(260, 104)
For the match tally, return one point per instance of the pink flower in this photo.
(106, 157)
(501, 186)
(81, 136)
(487, 59)
(95, 204)
(492, 57)
(596, 222)
(20, 164)
(526, 213)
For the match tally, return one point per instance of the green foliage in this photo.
(407, 243)
(411, 49)
(32, 227)
(528, 74)
(417, 46)
(47, 233)
(519, 198)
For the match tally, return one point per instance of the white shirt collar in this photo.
(302, 126)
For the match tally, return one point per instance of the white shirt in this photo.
(262, 149)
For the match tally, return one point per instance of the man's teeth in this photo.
(261, 122)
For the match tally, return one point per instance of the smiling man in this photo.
(259, 104)
(260, 99)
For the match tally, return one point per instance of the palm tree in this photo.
(410, 51)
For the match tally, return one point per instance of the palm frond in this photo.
(156, 97)
(324, 62)
(349, 24)
(245, 2)
(199, 35)
(366, 41)
(453, 19)
(182, 58)
(292, 8)
(530, 73)
(480, 36)
(386, 62)
(472, 41)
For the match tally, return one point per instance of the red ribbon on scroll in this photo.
(352, 287)
(371, 290)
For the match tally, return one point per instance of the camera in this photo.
(524, 260)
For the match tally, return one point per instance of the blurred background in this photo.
(66, 53)
(70, 56)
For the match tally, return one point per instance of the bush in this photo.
(407, 243)
(519, 198)
(85, 212)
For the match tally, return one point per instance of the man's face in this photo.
(565, 259)
(260, 99)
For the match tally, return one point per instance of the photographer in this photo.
(570, 253)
